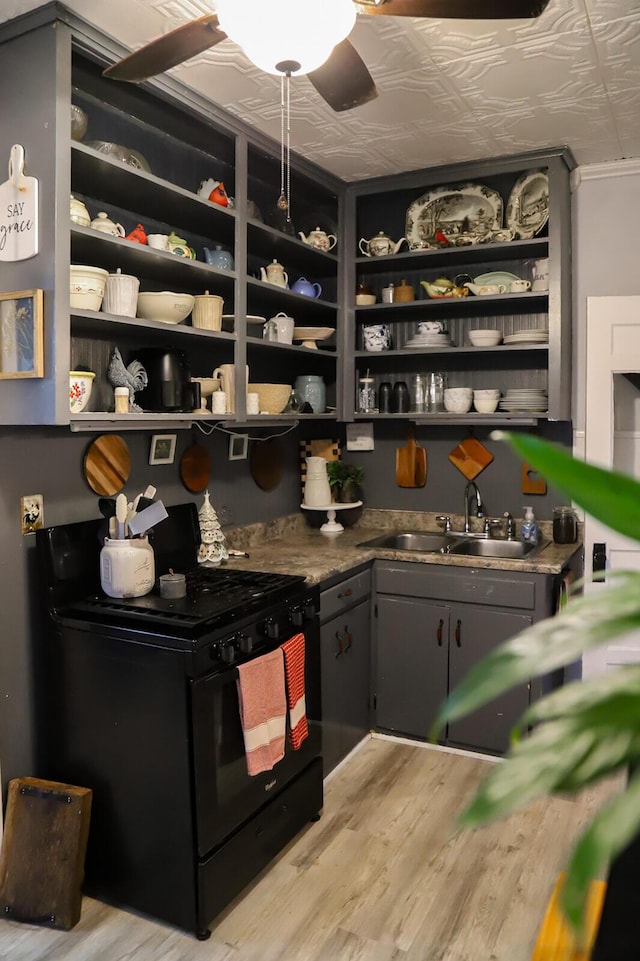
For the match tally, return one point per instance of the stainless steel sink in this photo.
(410, 541)
(492, 547)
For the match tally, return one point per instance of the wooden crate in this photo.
(43, 852)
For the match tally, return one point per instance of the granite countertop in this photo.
(289, 546)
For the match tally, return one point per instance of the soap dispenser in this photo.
(529, 528)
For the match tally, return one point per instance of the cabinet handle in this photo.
(340, 650)
(439, 632)
(347, 593)
(457, 633)
(349, 639)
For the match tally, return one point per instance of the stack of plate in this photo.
(525, 400)
(429, 339)
(534, 336)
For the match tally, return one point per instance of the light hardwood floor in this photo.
(381, 877)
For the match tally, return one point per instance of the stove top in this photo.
(216, 597)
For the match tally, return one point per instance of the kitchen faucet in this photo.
(471, 490)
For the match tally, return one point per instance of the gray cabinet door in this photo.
(474, 632)
(345, 651)
(355, 666)
(411, 670)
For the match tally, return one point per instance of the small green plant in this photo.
(345, 480)
(588, 729)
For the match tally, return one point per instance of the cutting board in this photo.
(107, 464)
(195, 468)
(470, 457)
(411, 464)
(18, 211)
(266, 463)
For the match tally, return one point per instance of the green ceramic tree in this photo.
(588, 729)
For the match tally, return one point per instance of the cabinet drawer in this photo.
(345, 594)
(474, 587)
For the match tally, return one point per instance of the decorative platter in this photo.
(464, 213)
(496, 277)
(309, 335)
(251, 318)
(528, 205)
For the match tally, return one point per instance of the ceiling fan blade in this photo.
(343, 80)
(168, 50)
(456, 9)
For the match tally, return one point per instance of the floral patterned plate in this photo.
(466, 212)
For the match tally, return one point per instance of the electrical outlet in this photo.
(31, 513)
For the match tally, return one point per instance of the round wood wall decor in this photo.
(107, 464)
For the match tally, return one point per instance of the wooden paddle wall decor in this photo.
(532, 482)
(411, 463)
(470, 457)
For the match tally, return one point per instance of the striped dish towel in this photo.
(293, 651)
(263, 710)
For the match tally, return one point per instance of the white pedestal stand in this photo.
(331, 525)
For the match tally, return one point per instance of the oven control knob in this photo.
(297, 617)
(272, 629)
(246, 643)
(227, 652)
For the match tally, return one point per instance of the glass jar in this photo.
(367, 395)
(434, 387)
(310, 389)
(417, 394)
(565, 525)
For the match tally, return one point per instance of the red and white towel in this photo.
(263, 709)
(293, 651)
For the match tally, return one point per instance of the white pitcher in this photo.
(317, 492)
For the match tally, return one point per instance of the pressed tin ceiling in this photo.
(449, 90)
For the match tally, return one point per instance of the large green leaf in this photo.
(610, 496)
(585, 623)
(614, 696)
(610, 831)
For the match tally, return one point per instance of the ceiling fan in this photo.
(341, 77)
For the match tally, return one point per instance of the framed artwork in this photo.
(238, 446)
(163, 449)
(21, 338)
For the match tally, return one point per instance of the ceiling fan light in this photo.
(302, 31)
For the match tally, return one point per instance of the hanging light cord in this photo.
(284, 200)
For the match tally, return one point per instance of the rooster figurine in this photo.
(134, 376)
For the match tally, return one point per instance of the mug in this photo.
(158, 241)
(540, 274)
(376, 337)
(519, 286)
(432, 327)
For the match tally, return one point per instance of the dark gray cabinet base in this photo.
(431, 626)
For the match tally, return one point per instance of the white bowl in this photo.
(164, 305)
(80, 384)
(484, 338)
(487, 393)
(86, 286)
(457, 400)
(486, 405)
(272, 398)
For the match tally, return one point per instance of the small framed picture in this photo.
(238, 446)
(163, 449)
(21, 351)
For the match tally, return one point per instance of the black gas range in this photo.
(143, 708)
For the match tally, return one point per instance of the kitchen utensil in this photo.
(169, 385)
(165, 306)
(121, 514)
(127, 567)
(80, 384)
(309, 335)
(411, 463)
(317, 492)
(86, 286)
(195, 468)
(470, 457)
(403, 293)
(145, 519)
(107, 464)
(367, 395)
(103, 223)
(207, 311)
(311, 388)
(121, 294)
(266, 463)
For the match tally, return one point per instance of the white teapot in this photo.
(319, 239)
(275, 274)
(380, 245)
(103, 223)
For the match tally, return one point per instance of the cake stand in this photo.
(331, 525)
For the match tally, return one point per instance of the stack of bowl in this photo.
(457, 400)
(486, 401)
(86, 287)
(484, 338)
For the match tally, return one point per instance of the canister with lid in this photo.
(565, 525)
(367, 395)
